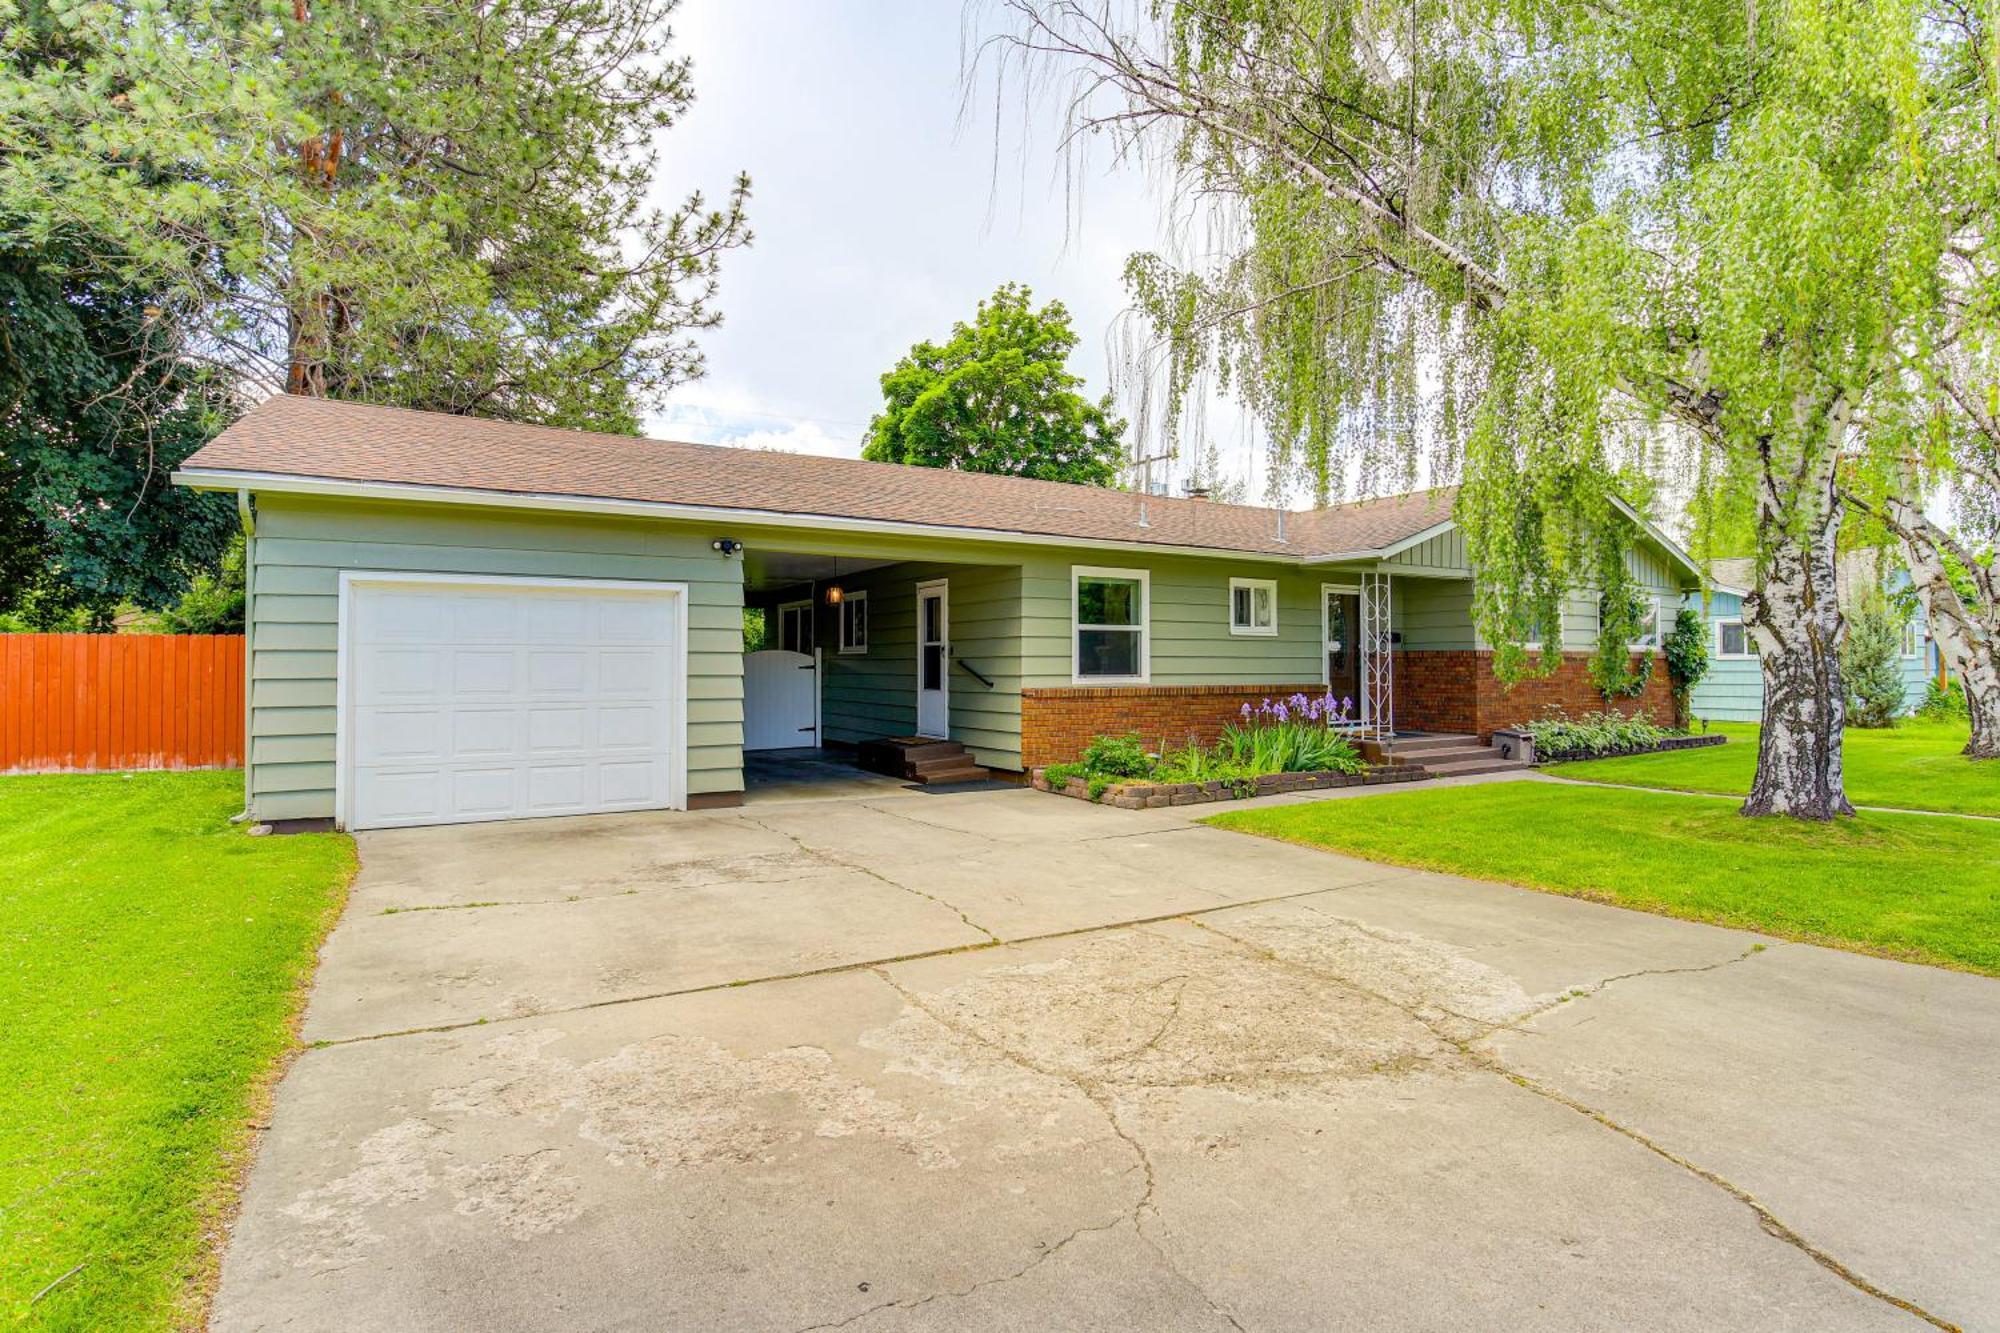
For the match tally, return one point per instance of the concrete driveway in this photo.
(998, 1060)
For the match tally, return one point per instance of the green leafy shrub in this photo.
(1686, 651)
(1561, 737)
(1117, 757)
(1869, 665)
(1944, 703)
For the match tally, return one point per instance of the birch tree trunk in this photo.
(1967, 637)
(1795, 616)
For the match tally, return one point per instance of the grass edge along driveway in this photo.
(1914, 765)
(1918, 888)
(153, 963)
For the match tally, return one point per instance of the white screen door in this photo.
(933, 660)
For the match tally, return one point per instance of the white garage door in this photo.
(509, 699)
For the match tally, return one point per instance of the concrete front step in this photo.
(1423, 744)
(1460, 768)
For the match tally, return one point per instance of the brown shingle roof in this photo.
(339, 441)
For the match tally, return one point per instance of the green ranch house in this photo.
(453, 619)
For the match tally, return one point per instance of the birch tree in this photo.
(1605, 232)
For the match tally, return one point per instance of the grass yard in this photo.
(1913, 887)
(151, 958)
(1914, 766)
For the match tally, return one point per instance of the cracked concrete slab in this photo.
(1207, 1082)
(1842, 1091)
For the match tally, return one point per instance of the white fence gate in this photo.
(780, 700)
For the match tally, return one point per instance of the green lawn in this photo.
(1914, 766)
(151, 959)
(1915, 887)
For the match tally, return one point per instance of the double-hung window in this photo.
(1253, 606)
(1108, 609)
(1732, 640)
(854, 623)
(795, 627)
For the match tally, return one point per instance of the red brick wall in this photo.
(1457, 691)
(1057, 723)
(1435, 691)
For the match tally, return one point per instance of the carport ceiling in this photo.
(765, 570)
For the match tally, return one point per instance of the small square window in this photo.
(1253, 606)
(854, 623)
(1731, 639)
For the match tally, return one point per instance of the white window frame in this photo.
(1258, 631)
(783, 607)
(1913, 640)
(1077, 574)
(1743, 656)
(847, 646)
(1659, 626)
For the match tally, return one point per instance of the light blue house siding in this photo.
(1733, 689)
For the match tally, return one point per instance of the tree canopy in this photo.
(1549, 244)
(998, 396)
(439, 206)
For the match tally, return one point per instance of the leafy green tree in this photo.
(98, 411)
(1616, 235)
(1868, 659)
(435, 205)
(998, 396)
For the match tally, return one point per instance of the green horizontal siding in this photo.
(302, 545)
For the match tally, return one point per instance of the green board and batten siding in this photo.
(302, 545)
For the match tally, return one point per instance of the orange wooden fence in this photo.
(82, 702)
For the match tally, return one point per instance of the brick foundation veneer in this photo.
(1056, 723)
(1457, 691)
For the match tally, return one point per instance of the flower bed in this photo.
(1513, 743)
(1142, 795)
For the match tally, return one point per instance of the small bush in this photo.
(1560, 737)
(1869, 665)
(1117, 757)
(1943, 704)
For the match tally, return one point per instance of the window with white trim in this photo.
(1648, 635)
(1913, 639)
(1732, 640)
(1253, 606)
(1108, 609)
(795, 627)
(854, 623)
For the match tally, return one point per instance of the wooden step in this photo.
(945, 777)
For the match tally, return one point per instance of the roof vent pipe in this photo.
(1142, 512)
(1281, 525)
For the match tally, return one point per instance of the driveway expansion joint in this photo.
(839, 969)
(1768, 1221)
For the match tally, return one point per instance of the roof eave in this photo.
(229, 479)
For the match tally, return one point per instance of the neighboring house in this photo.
(456, 619)
(1733, 689)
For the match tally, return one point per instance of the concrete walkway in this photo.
(1003, 1060)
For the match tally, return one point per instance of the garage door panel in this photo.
(483, 619)
(506, 702)
(484, 734)
(399, 735)
(399, 675)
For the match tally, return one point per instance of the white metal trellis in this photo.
(1378, 661)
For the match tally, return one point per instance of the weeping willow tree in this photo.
(1552, 244)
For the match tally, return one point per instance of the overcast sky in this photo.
(879, 217)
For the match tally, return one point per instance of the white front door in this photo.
(933, 660)
(468, 698)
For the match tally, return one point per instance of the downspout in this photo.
(247, 514)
